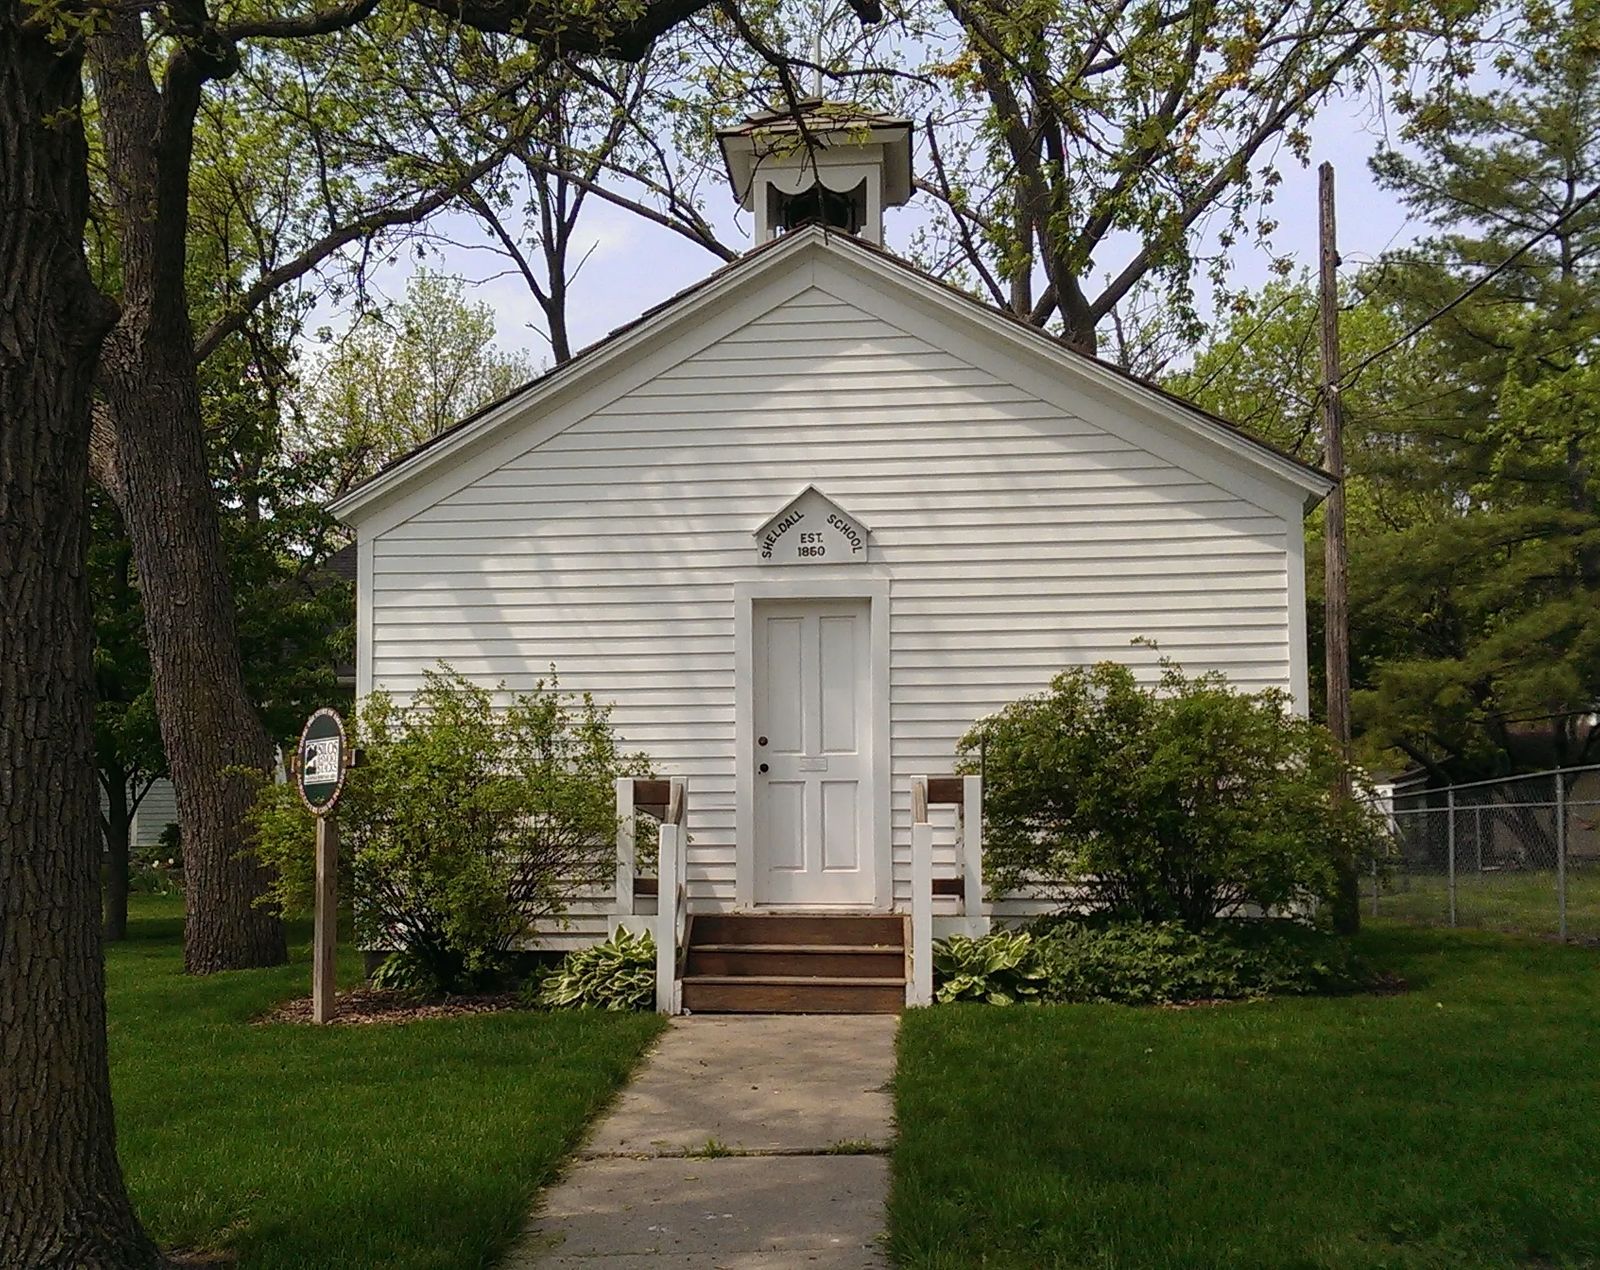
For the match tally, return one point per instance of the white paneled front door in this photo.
(813, 773)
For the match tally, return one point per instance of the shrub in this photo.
(619, 974)
(1160, 962)
(464, 824)
(1178, 802)
(1147, 963)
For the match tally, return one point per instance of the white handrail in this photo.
(919, 986)
(969, 859)
(672, 897)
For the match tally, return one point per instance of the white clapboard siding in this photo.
(157, 810)
(1019, 537)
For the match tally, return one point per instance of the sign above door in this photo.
(812, 529)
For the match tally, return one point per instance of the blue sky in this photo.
(632, 264)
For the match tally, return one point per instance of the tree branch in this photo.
(1225, 176)
(239, 312)
(318, 22)
(971, 248)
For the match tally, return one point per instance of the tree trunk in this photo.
(62, 1199)
(209, 729)
(118, 829)
(149, 379)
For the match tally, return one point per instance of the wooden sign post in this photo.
(323, 759)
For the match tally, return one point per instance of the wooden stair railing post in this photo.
(919, 986)
(667, 918)
(627, 826)
(678, 813)
(969, 833)
(671, 896)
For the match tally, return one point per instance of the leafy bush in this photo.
(1158, 962)
(619, 974)
(1146, 963)
(170, 841)
(1001, 968)
(465, 823)
(1179, 802)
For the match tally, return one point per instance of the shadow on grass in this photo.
(414, 1145)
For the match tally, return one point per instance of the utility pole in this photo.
(1335, 604)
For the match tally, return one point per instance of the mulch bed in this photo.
(385, 1005)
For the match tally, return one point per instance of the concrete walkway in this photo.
(744, 1142)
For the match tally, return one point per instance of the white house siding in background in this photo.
(1022, 519)
(157, 810)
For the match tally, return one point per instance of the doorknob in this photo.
(763, 769)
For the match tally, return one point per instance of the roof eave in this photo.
(600, 353)
(1314, 483)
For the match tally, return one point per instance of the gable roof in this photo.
(413, 465)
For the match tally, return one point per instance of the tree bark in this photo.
(150, 383)
(62, 1199)
(209, 729)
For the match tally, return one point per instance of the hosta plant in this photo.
(1146, 963)
(1001, 968)
(619, 974)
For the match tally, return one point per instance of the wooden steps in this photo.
(780, 963)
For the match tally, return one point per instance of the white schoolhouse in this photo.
(803, 524)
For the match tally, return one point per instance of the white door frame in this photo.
(875, 590)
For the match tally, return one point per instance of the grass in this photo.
(1455, 1125)
(413, 1145)
(1513, 900)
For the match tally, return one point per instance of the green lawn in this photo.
(414, 1145)
(1512, 900)
(1455, 1125)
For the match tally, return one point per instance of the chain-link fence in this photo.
(1520, 853)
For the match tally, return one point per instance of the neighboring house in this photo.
(156, 810)
(807, 521)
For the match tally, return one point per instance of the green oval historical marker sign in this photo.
(323, 755)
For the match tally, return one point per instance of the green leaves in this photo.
(1488, 589)
(1144, 963)
(1149, 119)
(398, 379)
(469, 821)
(1178, 801)
(1000, 969)
(619, 974)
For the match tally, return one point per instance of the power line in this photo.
(1240, 344)
(1350, 375)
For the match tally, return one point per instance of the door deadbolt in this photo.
(761, 740)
